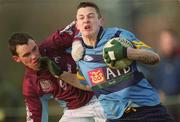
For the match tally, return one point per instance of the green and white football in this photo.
(119, 64)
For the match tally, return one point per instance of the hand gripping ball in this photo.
(122, 63)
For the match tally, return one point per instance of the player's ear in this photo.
(76, 24)
(101, 21)
(16, 58)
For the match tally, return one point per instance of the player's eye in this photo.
(26, 55)
(81, 18)
(91, 16)
(34, 48)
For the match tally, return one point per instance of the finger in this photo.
(43, 62)
(106, 56)
(111, 55)
(54, 69)
(112, 63)
(114, 42)
(108, 60)
(106, 50)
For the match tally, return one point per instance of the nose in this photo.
(33, 56)
(86, 19)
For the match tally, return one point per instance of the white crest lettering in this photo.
(46, 85)
(113, 73)
(62, 84)
(29, 114)
(109, 72)
(57, 59)
(126, 70)
(118, 72)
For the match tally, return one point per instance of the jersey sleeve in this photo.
(135, 41)
(62, 38)
(77, 36)
(36, 109)
(33, 109)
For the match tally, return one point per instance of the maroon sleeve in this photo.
(61, 39)
(33, 109)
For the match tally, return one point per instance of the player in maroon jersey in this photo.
(39, 85)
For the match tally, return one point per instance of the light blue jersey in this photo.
(116, 89)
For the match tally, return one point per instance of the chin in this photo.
(36, 67)
(88, 35)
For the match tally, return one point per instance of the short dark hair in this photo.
(90, 4)
(18, 39)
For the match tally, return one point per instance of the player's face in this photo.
(28, 54)
(88, 21)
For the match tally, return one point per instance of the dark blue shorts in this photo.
(146, 114)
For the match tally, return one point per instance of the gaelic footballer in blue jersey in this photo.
(124, 94)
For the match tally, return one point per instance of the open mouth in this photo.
(87, 27)
(36, 61)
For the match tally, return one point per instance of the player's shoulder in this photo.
(122, 33)
(128, 35)
(112, 29)
(110, 32)
(28, 89)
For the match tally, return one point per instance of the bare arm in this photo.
(142, 55)
(73, 81)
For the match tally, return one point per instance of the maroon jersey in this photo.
(40, 86)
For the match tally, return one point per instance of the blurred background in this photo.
(152, 21)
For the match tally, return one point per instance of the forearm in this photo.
(62, 38)
(72, 80)
(142, 55)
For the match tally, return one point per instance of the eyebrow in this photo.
(26, 54)
(88, 14)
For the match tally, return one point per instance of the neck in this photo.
(90, 41)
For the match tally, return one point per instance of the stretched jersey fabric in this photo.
(116, 89)
(40, 86)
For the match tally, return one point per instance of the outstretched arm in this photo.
(138, 50)
(61, 39)
(143, 55)
(56, 71)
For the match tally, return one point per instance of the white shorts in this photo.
(91, 112)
